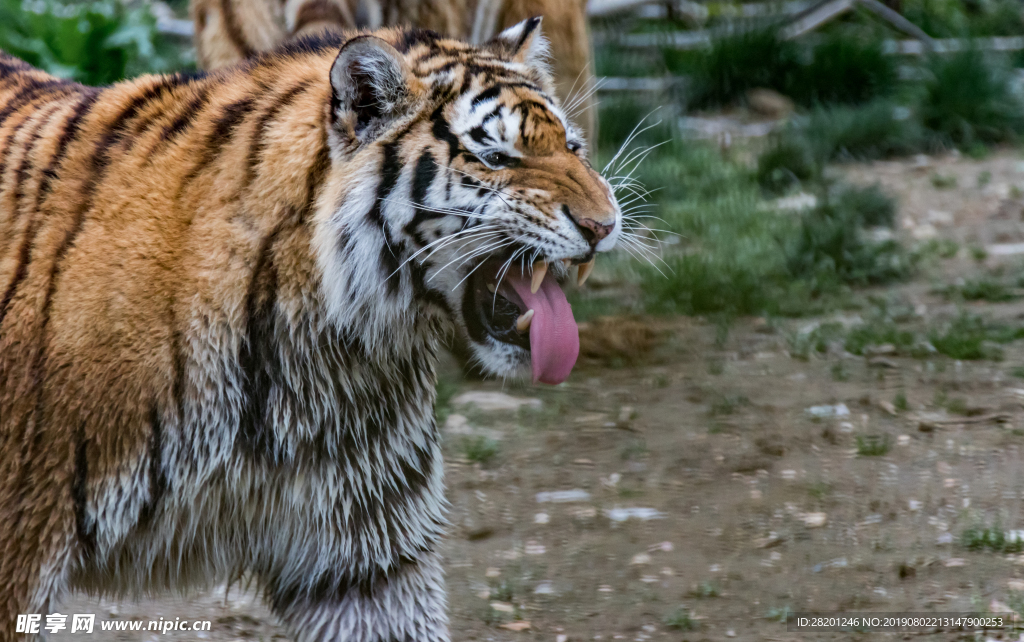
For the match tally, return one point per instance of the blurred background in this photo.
(802, 382)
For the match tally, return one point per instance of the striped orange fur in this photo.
(221, 298)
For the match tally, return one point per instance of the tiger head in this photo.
(463, 189)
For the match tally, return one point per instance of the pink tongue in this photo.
(554, 336)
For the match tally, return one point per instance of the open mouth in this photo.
(528, 309)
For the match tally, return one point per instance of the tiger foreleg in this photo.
(408, 605)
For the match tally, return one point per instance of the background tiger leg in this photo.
(406, 606)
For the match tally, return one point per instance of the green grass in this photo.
(743, 59)
(900, 402)
(971, 337)
(983, 289)
(967, 101)
(842, 69)
(681, 619)
(873, 445)
(845, 69)
(705, 590)
(480, 450)
(992, 538)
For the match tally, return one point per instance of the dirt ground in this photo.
(695, 496)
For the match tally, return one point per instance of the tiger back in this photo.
(227, 31)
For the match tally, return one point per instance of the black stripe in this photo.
(422, 178)
(79, 495)
(223, 131)
(442, 131)
(187, 118)
(258, 143)
(25, 251)
(97, 167)
(80, 111)
(315, 177)
(22, 174)
(157, 476)
(258, 359)
(391, 167)
(26, 95)
(480, 135)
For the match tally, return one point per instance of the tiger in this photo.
(222, 297)
(227, 31)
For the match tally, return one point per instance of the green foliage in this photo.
(984, 289)
(845, 69)
(877, 331)
(873, 445)
(993, 538)
(681, 620)
(962, 18)
(831, 246)
(788, 163)
(96, 42)
(900, 401)
(967, 101)
(480, 450)
(741, 60)
(879, 129)
(971, 337)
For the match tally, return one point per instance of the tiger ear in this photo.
(371, 87)
(522, 42)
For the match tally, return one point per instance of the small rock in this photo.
(563, 496)
(1015, 585)
(604, 588)
(769, 103)
(494, 401)
(940, 218)
(823, 412)
(903, 440)
(882, 362)
(995, 606)
(730, 633)
(534, 548)
(914, 505)
(611, 481)
(541, 518)
(642, 514)
(797, 202)
(954, 562)
(814, 520)
(944, 539)
(562, 638)
(522, 625)
(639, 559)
(544, 588)
(880, 350)
(788, 474)
(484, 594)
(924, 232)
(493, 571)
(503, 607)
(888, 407)
(664, 547)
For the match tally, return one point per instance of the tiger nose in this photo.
(592, 231)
